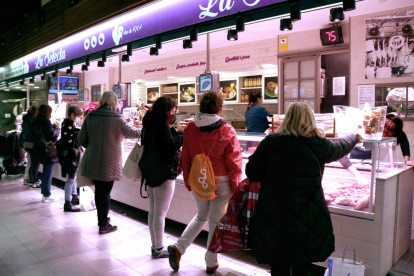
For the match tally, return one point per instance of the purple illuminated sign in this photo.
(156, 18)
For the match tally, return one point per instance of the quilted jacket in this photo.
(101, 134)
(291, 213)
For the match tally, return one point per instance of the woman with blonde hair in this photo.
(291, 213)
(102, 133)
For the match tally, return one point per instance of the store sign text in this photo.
(50, 58)
(223, 6)
(155, 70)
(190, 65)
(228, 59)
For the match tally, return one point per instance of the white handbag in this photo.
(131, 169)
(345, 267)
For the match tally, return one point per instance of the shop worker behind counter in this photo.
(256, 115)
(101, 134)
(292, 225)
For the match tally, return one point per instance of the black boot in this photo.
(68, 207)
(75, 200)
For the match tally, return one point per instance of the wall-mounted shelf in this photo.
(251, 88)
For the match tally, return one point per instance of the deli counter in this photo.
(380, 230)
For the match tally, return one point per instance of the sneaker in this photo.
(109, 219)
(68, 207)
(174, 257)
(34, 186)
(75, 200)
(107, 229)
(158, 254)
(49, 199)
(27, 182)
(211, 270)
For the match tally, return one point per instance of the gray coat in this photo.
(102, 133)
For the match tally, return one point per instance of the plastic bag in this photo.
(232, 232)
(87, 199)
(345, 267)
(131, 169)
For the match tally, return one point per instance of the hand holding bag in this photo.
(345, 267)
(232, 232)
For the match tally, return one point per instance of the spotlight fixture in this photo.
(240, 24)
(187, 44)
(54, 74)
(153, 51)
(158, 43)
(84, 67)
(69, 71)
(125, 58)
(129, 50)
(22, 82)
(295, 14)
(348, 5)
(101, 63)
(193, 34)
(286, 24)
(7, 84)
(43, 77)
(87, 63)
(104, 56)
(337, 14)
(31, 81)
(19, 31)
(232, 35)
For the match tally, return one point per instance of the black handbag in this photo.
(42, 147)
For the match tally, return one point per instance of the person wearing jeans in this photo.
(47, 180)
(209, 134)
(102, 133)
(34, 170)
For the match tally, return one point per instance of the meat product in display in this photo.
(347, 201)
(362, 203)
(328, 199)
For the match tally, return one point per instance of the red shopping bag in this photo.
(232, 232)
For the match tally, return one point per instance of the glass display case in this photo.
(346, 193)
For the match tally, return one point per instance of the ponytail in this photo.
(253, 97)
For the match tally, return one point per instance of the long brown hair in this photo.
(300, 121)
(45, 111)
(393, 127)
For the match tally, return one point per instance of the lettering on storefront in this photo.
(50, 58)
(224, 5)
(228, 59)
(190, 65)
(155, 70)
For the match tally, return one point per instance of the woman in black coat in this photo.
(160, 166)
(42, 124)
(291, 213)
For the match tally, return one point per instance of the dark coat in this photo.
(161, 157)
(26, 134)
(69, 149)
(292, 223)
(50, 132)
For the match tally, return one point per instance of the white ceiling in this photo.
(257, 31)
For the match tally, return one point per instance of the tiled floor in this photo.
(40, 239)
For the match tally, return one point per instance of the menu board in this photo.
(229, 90)
(153, 93)
(366, 94)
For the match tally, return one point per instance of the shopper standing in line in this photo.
(70, 154)
(160, 166)
(256, 115)
(292, 225)
(27, 140)
(101, 134)
(50, 132)
(209, 133)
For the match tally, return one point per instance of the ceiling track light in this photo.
(87, 63)
(104, 56)
(295, 12)
(7, 84)
(193, 34)
(84, 67)
(232, 35)
(101, 63)
(286, 24)
(43, 77)
(187, 44)
(348, 5)
(129, 50)
(154, 51)
(240, 24)
(125, 58)
(158, 43)
(31, 80)
(22, 82)
(55, 74)
(337, 14)
(69, 71)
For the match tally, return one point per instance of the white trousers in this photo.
(159, 199)
(211, 210)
